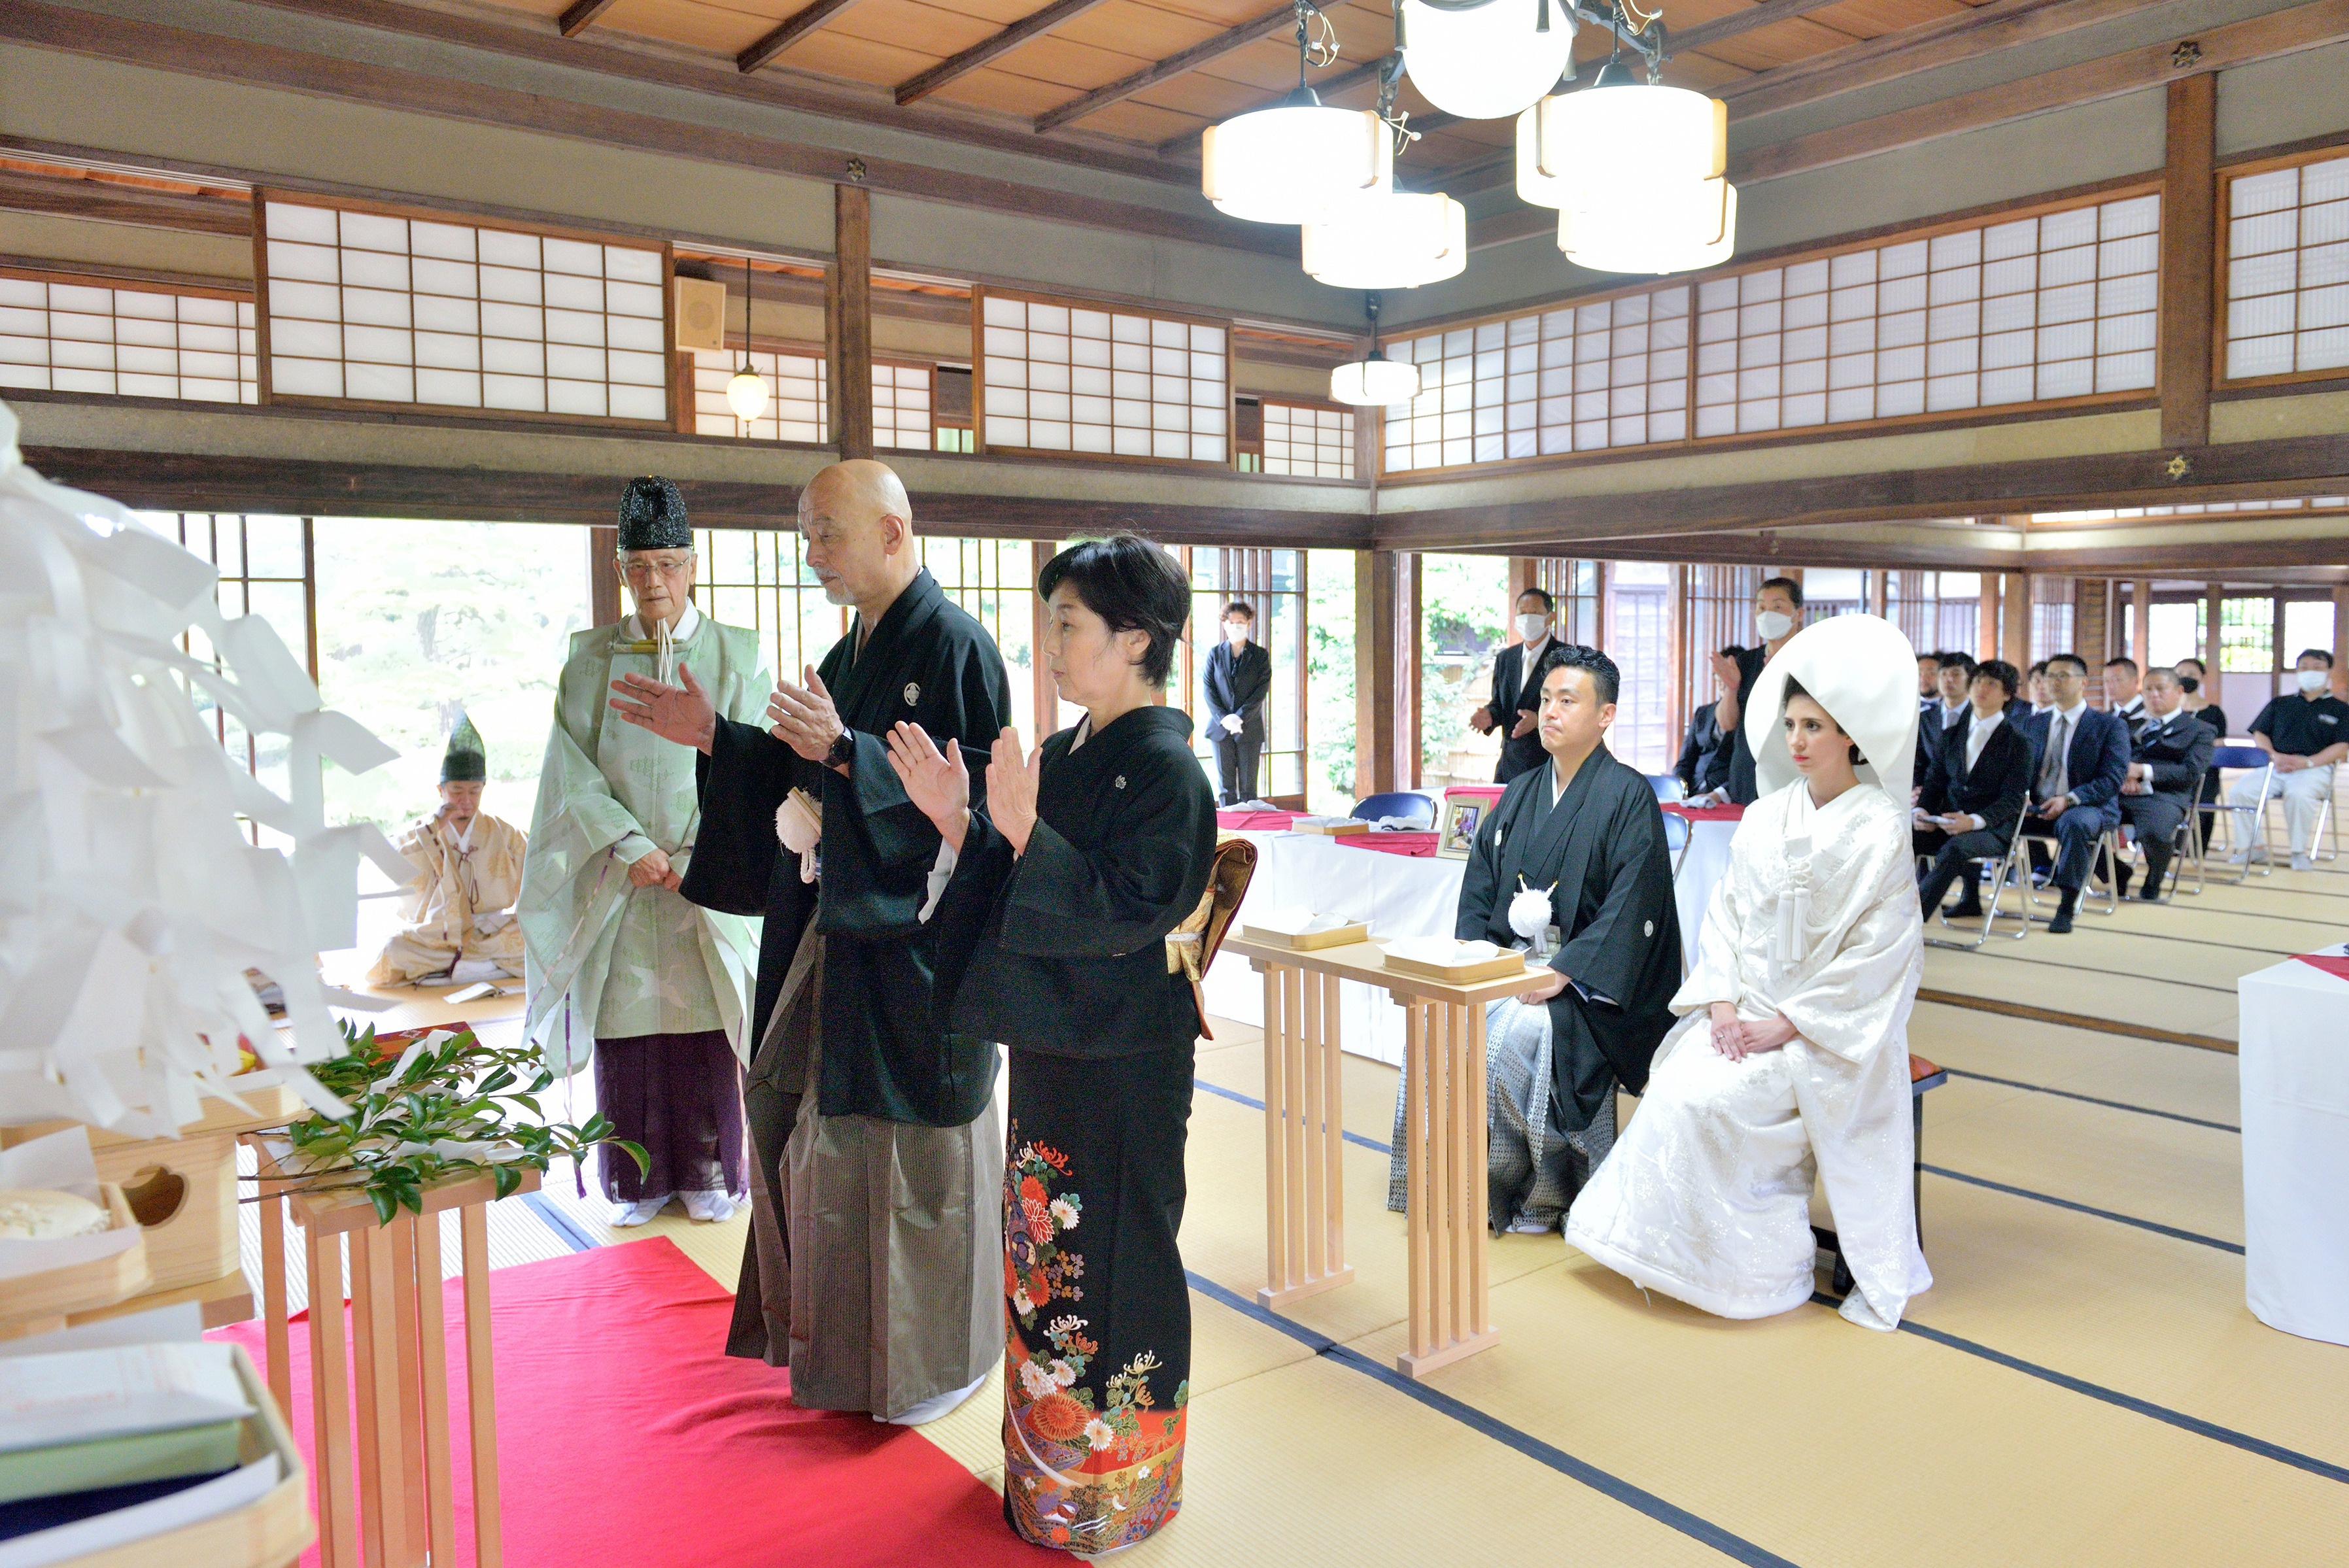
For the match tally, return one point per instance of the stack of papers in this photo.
(1295, 919)
(1446, 952)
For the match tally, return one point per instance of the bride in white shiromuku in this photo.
(1791, 1061)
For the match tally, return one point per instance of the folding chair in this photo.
(1668, 788)
(2106, 854)
(2247, 757)
(1677, 833)
(2005, 868)
(2185, 842)
(1923, 1078)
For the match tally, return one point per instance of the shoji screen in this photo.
(1308, 440)
(795, 396)
(1056, 376)
(901, 405)
(2287, 254)
(383, 307)
(60, 332)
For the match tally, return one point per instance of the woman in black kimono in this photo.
(1058, 894)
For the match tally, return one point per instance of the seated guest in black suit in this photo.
(2123, 695)
(1706, 752)
(1973, 791)
(2083, 755)
(2034, 687)
(2170, 753)
(1929, 681)
(1953, 682)
(2192, 678)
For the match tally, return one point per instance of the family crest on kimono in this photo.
(620, 965)
(1571, 865)
(1056, 899)
(874, 1246)
(458, 925)
(1791, 1061)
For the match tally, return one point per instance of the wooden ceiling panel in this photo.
(1145, 31)
(545, 10)
(857, 59)
(1006, 92)
(1874, 18)
(720, 29)
(1780, 44)
(1703, 72)
(1075, 65)
(1141, 122)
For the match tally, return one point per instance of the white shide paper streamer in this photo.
(132, 903)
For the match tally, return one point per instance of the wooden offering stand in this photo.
(398, 1484)
(1444, 1137)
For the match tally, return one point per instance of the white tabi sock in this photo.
(637, 1214)
(932, 1408)
(710, 1207)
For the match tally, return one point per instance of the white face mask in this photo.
(1532, 626)
(1772, 624)
(1236, 633)
(2315, 680)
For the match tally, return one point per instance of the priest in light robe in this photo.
(1790, 1064)
(876, 1235)
(621, 967)
(457, 916)
(1572, 864)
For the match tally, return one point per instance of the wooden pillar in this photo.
(602, 578)
(1407, 641)
(2014, 618)
(1048, 695)
(2141, 623)
(1524, 573)
(848, 312)
(2340, 632)
(2215, 592)
(1878, 599)
(1376, 682)
(2188, 237)
(1986, 628)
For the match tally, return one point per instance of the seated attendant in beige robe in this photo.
(459, 906)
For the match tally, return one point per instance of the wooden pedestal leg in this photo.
(375, 1329)
(278, 1339)
(1292, 1102)
(488, 1546)
(1415, 1166)
(1333, 1136)
(405, 1490)
(432, 1343)
(1444, 1067)
(1307, 1131)
(1276, 1198)
(1474, 1225)
(330, 1410)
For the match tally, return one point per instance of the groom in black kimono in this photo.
(877, 1248)
(1583, 830)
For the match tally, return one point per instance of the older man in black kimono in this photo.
(876, 1226)
(1583, 836)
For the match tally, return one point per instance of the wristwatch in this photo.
(843, 750)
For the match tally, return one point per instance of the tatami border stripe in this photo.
(2092, 1099)
(2130, 1402)
(2094, 1026)
(561, 1223)
(1255, 1104)
(2194, 1236)
(1500, 1431)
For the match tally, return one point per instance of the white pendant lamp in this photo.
(1396, 240)
(1374, 380)
(1618, 135)
(1674, 228)
(1486, 61)
(746, 394)
(1296, 163)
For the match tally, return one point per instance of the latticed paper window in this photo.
(1055, 377)
(756, 577)
(1309, 440)
(901, 406)
(2288, 271)
(373, 307)
(1577, 378)
(60, 334)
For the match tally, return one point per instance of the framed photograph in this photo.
(1461, 821)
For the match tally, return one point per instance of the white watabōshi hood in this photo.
(1863, 671)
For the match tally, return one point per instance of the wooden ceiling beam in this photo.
(792, 29)
(1172, 65)
(1325, 89)
(1767, 14)
(107, 201)
(133, 42)
(582, 13)
(916, 87)
(2091, 81)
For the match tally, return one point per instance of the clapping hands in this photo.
(936, 782)
(1013, 780)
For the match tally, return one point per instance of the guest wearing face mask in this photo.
(2192, 678)
(1239, 674)
(1514, 696)
(2304, 733)
(1777, 614)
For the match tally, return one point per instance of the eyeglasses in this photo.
(671, 566)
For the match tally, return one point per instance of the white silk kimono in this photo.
(460, 904)
(1707, 1195)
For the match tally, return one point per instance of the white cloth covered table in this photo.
(2294, 1069)
(1399, 895)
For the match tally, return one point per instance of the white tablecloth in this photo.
(2295, 1067)
(1399, 895)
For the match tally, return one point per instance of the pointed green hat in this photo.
(466, 759)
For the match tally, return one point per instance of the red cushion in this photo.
(1920, 1068)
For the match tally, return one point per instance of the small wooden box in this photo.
(1499, 967)
(1305, 942)
(1337, 830)
(43, 1299)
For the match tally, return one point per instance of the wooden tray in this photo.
(1338, 937)
(82, 1287)
(1338, 830)
(270, 1532)
(1499, 967)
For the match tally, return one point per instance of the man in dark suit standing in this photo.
(2083, 755)
(1973, 791)
(1517, 689)
(2171, 753)
(1239, 674)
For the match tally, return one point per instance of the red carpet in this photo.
(626, 1437)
